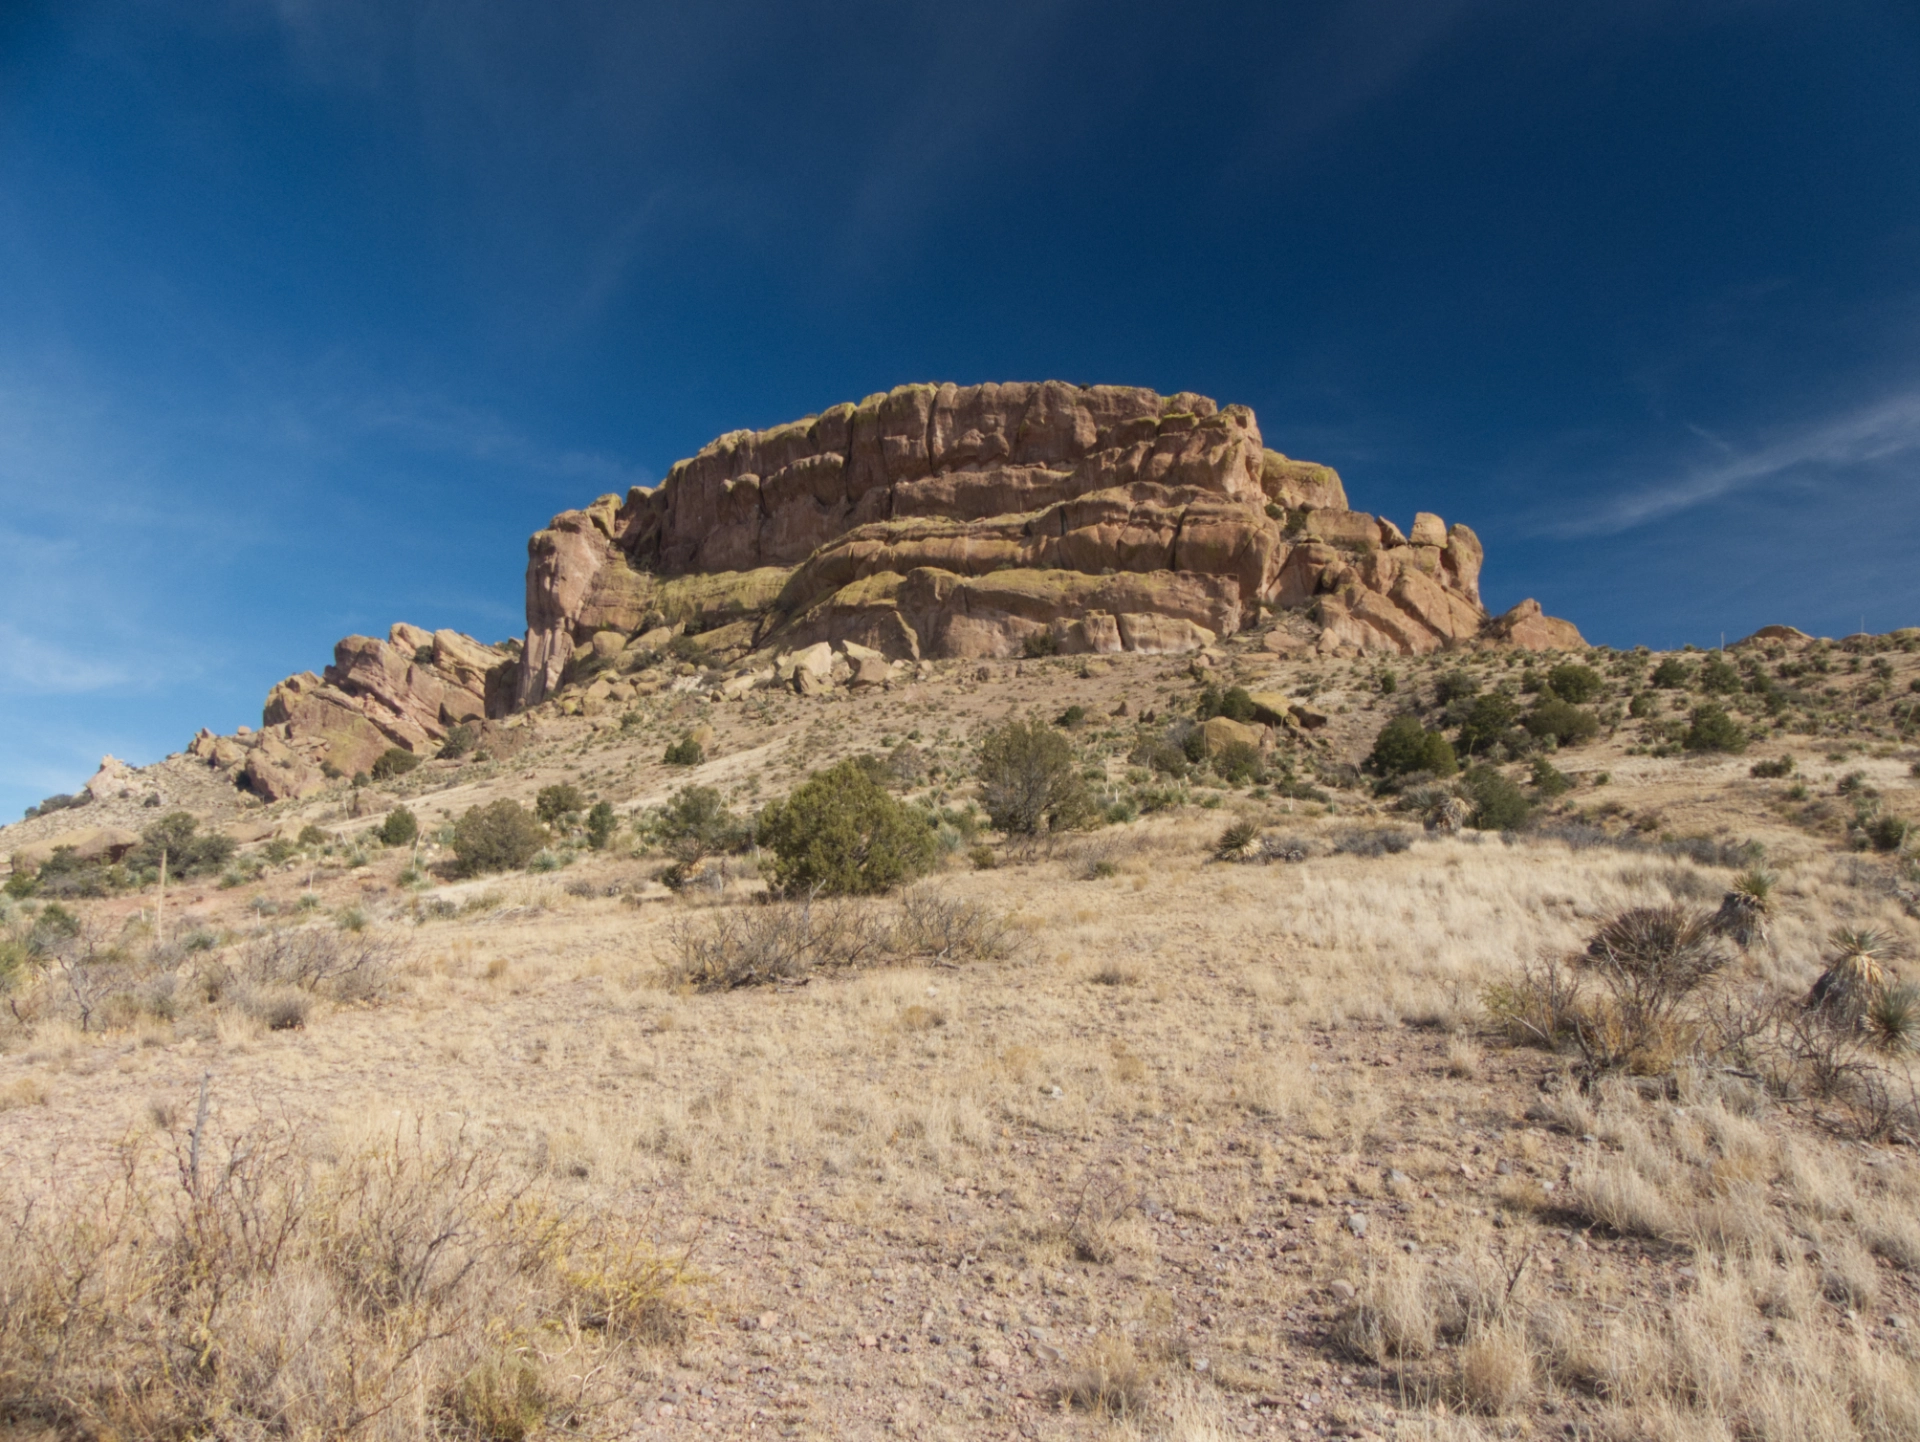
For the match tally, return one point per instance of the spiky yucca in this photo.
(1746, 909)
(1855, 979)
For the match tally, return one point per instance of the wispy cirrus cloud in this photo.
(1871, 435)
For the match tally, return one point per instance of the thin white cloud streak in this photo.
(32, 666)
(1864, 437)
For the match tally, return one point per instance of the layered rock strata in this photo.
(983, 520)
(407, 691)
(926, 522)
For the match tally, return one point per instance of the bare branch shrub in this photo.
(405, 1290)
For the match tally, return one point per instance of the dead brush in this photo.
(1092, 1224)
(787, 942)
(1651, 960)
(405, 1287)
(342, 965)
(1110, 1379)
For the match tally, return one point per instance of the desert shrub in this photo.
(1888, 833)
(1489, 717)
(57, 803)
(1651, 960)
(366, 1296)
(684, 752)
(501, 836)
(1233, 703)
(1711, 729)
(400, 828)
(1235, 841)
(1672, 674)
(1028, 782)
(1567, 724)
(1719, 676)
(556, 804)
(1455, 685)
(459, 741)
(1238, 763)
(1771, 770)
(1159, 752)
(1644, 704)
(1746, 908)
(311, 835)
(1071, 717)
(695, 822)
(190, 852)
(601, 823)
(346, 964)
(1405, 746)
(1040, 643)
(789, 941)
(1379, 841)
(840, 833)
(394, 761)
(20, 885)
(1498, 803)
(1549, 780)
(1575, 683)
(1109, 1378)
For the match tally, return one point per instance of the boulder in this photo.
(1271, 707)
(1221, 732)
(1790, 635)
(871, 670)
(274, 772)
(114, 778)
(1526, 627)
(94, 843)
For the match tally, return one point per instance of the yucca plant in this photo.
(1855, 979)
(1746, 909)
(1236, 841)
(1893, 1018)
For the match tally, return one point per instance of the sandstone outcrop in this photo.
(963, 521)
(980, 521)
(407, 691)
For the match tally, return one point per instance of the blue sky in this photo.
(313, 309)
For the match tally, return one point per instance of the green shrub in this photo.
(1490, 716)
(400, 828)
(1404, 746)
(1712, 729)
(1720, 676)
(1029, 782)
(394, 761)
(459, 741)
(1456, 685)
(1040, 643)
(1498, 804)
(1239, 763)
(190, 852)
(502, 836)
(1673, 674)
(1387, 682)
(601, 823)
(1071, 717)
(21, 885)
(556, 803)
(1549, 780)
(840, 833)
(1574, 683)
(1567, 724)
(684, 752)
(1771, 770)
(695, 822)
(1644, 704)
(1233, 703)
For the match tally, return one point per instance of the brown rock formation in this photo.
(968, 521)
(952, 521)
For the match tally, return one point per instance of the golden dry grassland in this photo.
(1184, 1148)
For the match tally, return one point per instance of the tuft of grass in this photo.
(1110, 1379)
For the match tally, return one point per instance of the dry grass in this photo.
(1094, 1125)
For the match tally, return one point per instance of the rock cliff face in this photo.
(984, 520)
(928, 522)
(406, 691)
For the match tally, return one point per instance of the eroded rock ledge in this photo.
(973, 521)
(924, 523)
